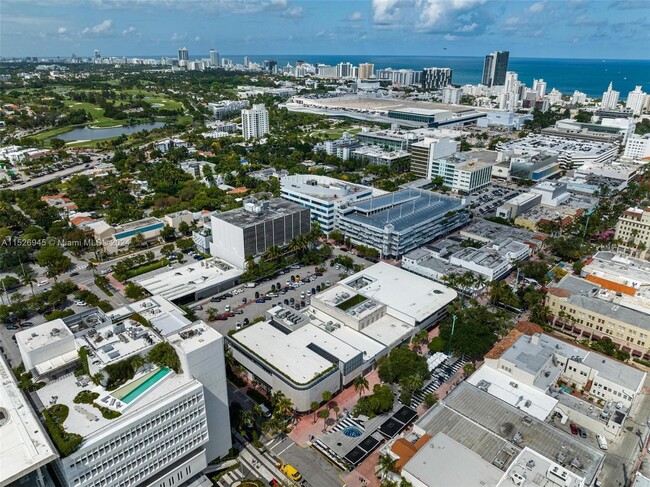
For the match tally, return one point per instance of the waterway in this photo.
(87, 133)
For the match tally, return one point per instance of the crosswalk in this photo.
(439, 376)
(252, 465)
(348, 423)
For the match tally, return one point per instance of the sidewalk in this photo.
(346, 399)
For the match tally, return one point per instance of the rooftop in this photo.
(540, 471)
(194, 337)
(297, 356)
(322, 187)
(522, 396)
(486, 230)
(190, 278)
(87, 421)
(403, 209)
(497, 432)
(25, 446)
(165, 316)
(138, 224)
(559, 144)
(46, 334)
(453, 464)
(254, 213)
(625, 270)
(404, 293)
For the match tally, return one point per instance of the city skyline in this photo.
(571, 29)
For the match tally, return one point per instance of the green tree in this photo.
(168, 233)
(184, 228)
(54, 260)
(133, 291)
(360, 384)
(314, 407)
(430, 399)
(402, 362)
(324, 414)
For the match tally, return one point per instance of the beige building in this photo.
(587, 311)
(633, 232)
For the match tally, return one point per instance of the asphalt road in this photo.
(317, 471)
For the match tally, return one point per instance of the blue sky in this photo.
(560, 28)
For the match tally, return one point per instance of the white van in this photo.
(602, 442)
(250, 284)
(265, 411)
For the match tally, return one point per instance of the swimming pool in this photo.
(131, 392)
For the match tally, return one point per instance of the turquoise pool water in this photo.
(135, 393)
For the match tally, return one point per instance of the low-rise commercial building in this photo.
(391, 139)
(114, 238)
(572, 152)
(464, 172)
(175, 219)
(341, 335)
(585, 309)
(401, 221)
(381, 157)
(322, 195)
(248, 232)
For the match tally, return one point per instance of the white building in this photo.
(248, 232)
(255, 122)
(25, 446)
(341, 335)
(158, 428)
(638, 147)
(578, 98)
(323, 195)
(451, 95)
(464, 172)
(636, 100)
(425, 151)
(610, 98)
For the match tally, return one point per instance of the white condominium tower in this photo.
(610, 98)
(255, 122)
(636, 100)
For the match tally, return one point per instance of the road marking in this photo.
(290, 445)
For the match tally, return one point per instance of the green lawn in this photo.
(335, 133)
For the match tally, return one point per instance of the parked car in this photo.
(246, 321)
(75, 273)
(12, 327)
(238, 326)
(238, 312)
(574, 428)
(80, 303)
(216, 299)
(582, 432)
(43, 283)
(260, 301)
(27, 324)
(198, 307)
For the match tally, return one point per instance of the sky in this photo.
(603, 29)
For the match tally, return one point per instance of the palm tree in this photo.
(314, 407)
(92, 267)
(386, 464)
(256, 411)
(327, 397)
(282, 405)
(360, 384)
(336, 410)
(273, 253)
(324, 414)
(27, 278)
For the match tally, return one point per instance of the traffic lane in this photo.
(314, 468)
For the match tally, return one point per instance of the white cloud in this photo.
(293, 12)
(386, 11)
(197, 39)
(100, 28)
(355, 16)
(434, 11)
(468, 27)
(62, 30)
(449, 37)
(536, 7)
(129, 30)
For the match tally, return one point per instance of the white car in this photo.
(80, 303)
(43, 283)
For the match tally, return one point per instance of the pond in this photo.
(86, 133)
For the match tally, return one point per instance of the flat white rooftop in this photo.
(289, 354)
(539, 471)
(190, 278)
(46, 334)
(388, 330)
(194, 337)
(24, 445)
(404, 293)
(530, 400)
(444, 461)
(164, 315)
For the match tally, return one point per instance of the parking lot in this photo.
(486, 201)
(251, 310)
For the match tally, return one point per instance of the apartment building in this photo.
(159, 425)
(464, 172)
(324, 196)
(255, 122)
(633, 232)
(638, 147)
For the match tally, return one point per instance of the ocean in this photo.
(591, 76)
